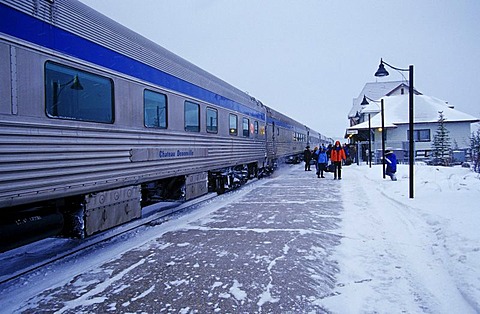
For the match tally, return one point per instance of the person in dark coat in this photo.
(348, 159)
(391, 162)
(307, 156)
(329, 150)
(315, 157)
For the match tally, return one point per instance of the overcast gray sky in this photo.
(309, 58)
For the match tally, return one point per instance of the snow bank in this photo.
(403, 255)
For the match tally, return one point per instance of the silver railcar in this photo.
(96, 120)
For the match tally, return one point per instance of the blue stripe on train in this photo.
(30, 29)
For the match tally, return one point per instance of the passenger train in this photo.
(97, 121)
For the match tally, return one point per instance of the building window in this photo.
(246, 127)
(77, 95)
(420, 135)
(233, 129)
(155, 109)
(192, 117)
(422, 153)
(212, 120)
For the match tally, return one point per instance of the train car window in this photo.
(233, 129)
(255, 127)
(212, 120)
(246, 127)
(155, 109)
(77, 95)
(192, 117)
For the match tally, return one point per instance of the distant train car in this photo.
(317, 139)
(96, 121)
(285, 136)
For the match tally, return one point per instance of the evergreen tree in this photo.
(475, 150)
(441, 146)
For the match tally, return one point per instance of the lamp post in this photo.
(383, 136)
(369, 141)
(411, 154)
(382, 110)
(369, 157)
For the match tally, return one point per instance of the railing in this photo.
(400, 148)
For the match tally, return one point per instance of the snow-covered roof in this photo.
(371, 108)
(426, 110)
(375, 90)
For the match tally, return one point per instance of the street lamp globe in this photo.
(381, 72)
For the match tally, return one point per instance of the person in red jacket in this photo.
(337, 156)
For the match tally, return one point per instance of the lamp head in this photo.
(364, 101)
(76, 84)
(381, 70)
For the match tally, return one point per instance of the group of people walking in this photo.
(322, 155)
(331, 158)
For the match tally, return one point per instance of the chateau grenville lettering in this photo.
(150, 153)
(178, 153)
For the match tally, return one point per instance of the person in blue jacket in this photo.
(391, 162)
(322, 161)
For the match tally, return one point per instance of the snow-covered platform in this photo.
(264, 248)
(291, 243)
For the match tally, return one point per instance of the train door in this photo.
(308, 137)
(274, 139)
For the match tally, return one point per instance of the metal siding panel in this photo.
(14, 80)
(50, 160)
(27, 6)
(128, 109)
(30, 84)
(5, 80)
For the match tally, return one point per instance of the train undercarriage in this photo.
(84, 215)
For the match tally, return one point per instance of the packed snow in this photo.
(402, 255)
(382, 252)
